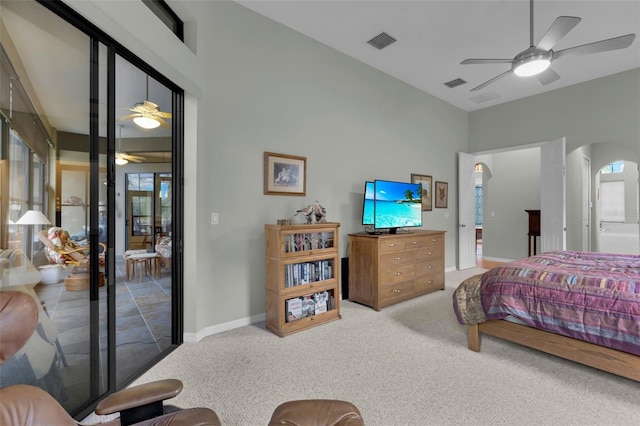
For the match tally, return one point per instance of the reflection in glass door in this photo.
(144, 284)
(69, 89)
(140, 219)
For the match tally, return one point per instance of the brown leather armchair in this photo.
(316, 412)
(27, 405)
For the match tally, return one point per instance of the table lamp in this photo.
(33, 217)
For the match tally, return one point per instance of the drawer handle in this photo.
(392, 245)
(429, 282)
(430, 252)
(397, 258)
(397, 274)
(414, 242)
(433, 240)
(396, 290)
(429, 267)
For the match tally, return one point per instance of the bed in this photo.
(581, 306)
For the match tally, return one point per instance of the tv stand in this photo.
(390, 268)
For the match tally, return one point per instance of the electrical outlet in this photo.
(215, 218)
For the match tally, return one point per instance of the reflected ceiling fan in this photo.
(122, 157)
(536, 60)
(147, 114)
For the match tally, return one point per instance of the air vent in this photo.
(381, 41)
(455, 83)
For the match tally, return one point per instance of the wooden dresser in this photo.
(389, 268)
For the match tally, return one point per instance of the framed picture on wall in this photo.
(284, 174)
(441, 194)
(427, 190)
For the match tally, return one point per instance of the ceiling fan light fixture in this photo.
(532, 65)
(146, 122)
(121, 161)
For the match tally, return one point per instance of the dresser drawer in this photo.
(430, 252)
(415, 242)
(402, 290)
(397, 273)
(395, 258)
(429, 267)
(430, 283)
(435, 240)
(392, 244)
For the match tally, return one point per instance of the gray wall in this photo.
(265, 87)
(599, 119)
(252, 85)
(511, 185)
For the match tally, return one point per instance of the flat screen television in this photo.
(396, 205)
(367, 204)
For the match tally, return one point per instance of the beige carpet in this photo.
(405, 365)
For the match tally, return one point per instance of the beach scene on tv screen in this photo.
(397, 204)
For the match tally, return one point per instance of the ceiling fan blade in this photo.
(486, 83)
(129, 157)
(597, 46)
(548, 76)
(560, 27)
(163, 114)
(486, 61)
(128, 117)
(163, 123)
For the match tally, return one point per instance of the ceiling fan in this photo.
(122, 157)
(147, 114)
(536, 60)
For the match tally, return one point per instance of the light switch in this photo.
(214, 218)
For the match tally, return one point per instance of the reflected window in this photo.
(615, 167)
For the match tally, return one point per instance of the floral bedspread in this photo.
(593, 297)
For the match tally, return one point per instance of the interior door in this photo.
(586, 204)
(466, 211)
(553, 196)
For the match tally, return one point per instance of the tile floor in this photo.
(143, 326)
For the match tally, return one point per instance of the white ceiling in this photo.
(433, 37)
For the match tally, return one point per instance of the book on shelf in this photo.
(307, 241)
(294, 309)
(320, 299)
(308, 306)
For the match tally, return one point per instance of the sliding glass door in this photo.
(74, 109)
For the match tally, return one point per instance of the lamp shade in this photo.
(33, 217)
(146, 122)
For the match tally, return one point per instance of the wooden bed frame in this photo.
(611, 360)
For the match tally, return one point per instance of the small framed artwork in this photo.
(427, 190)
(284, 174)
(441, 194)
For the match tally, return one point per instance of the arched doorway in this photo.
(616, 208)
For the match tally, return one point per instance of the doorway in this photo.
(617, 208)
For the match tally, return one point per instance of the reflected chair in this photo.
(31, 406)
(60, 249)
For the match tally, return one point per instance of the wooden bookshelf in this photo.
(301, 276)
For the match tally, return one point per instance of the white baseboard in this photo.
(221, 328)
(498, 259)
